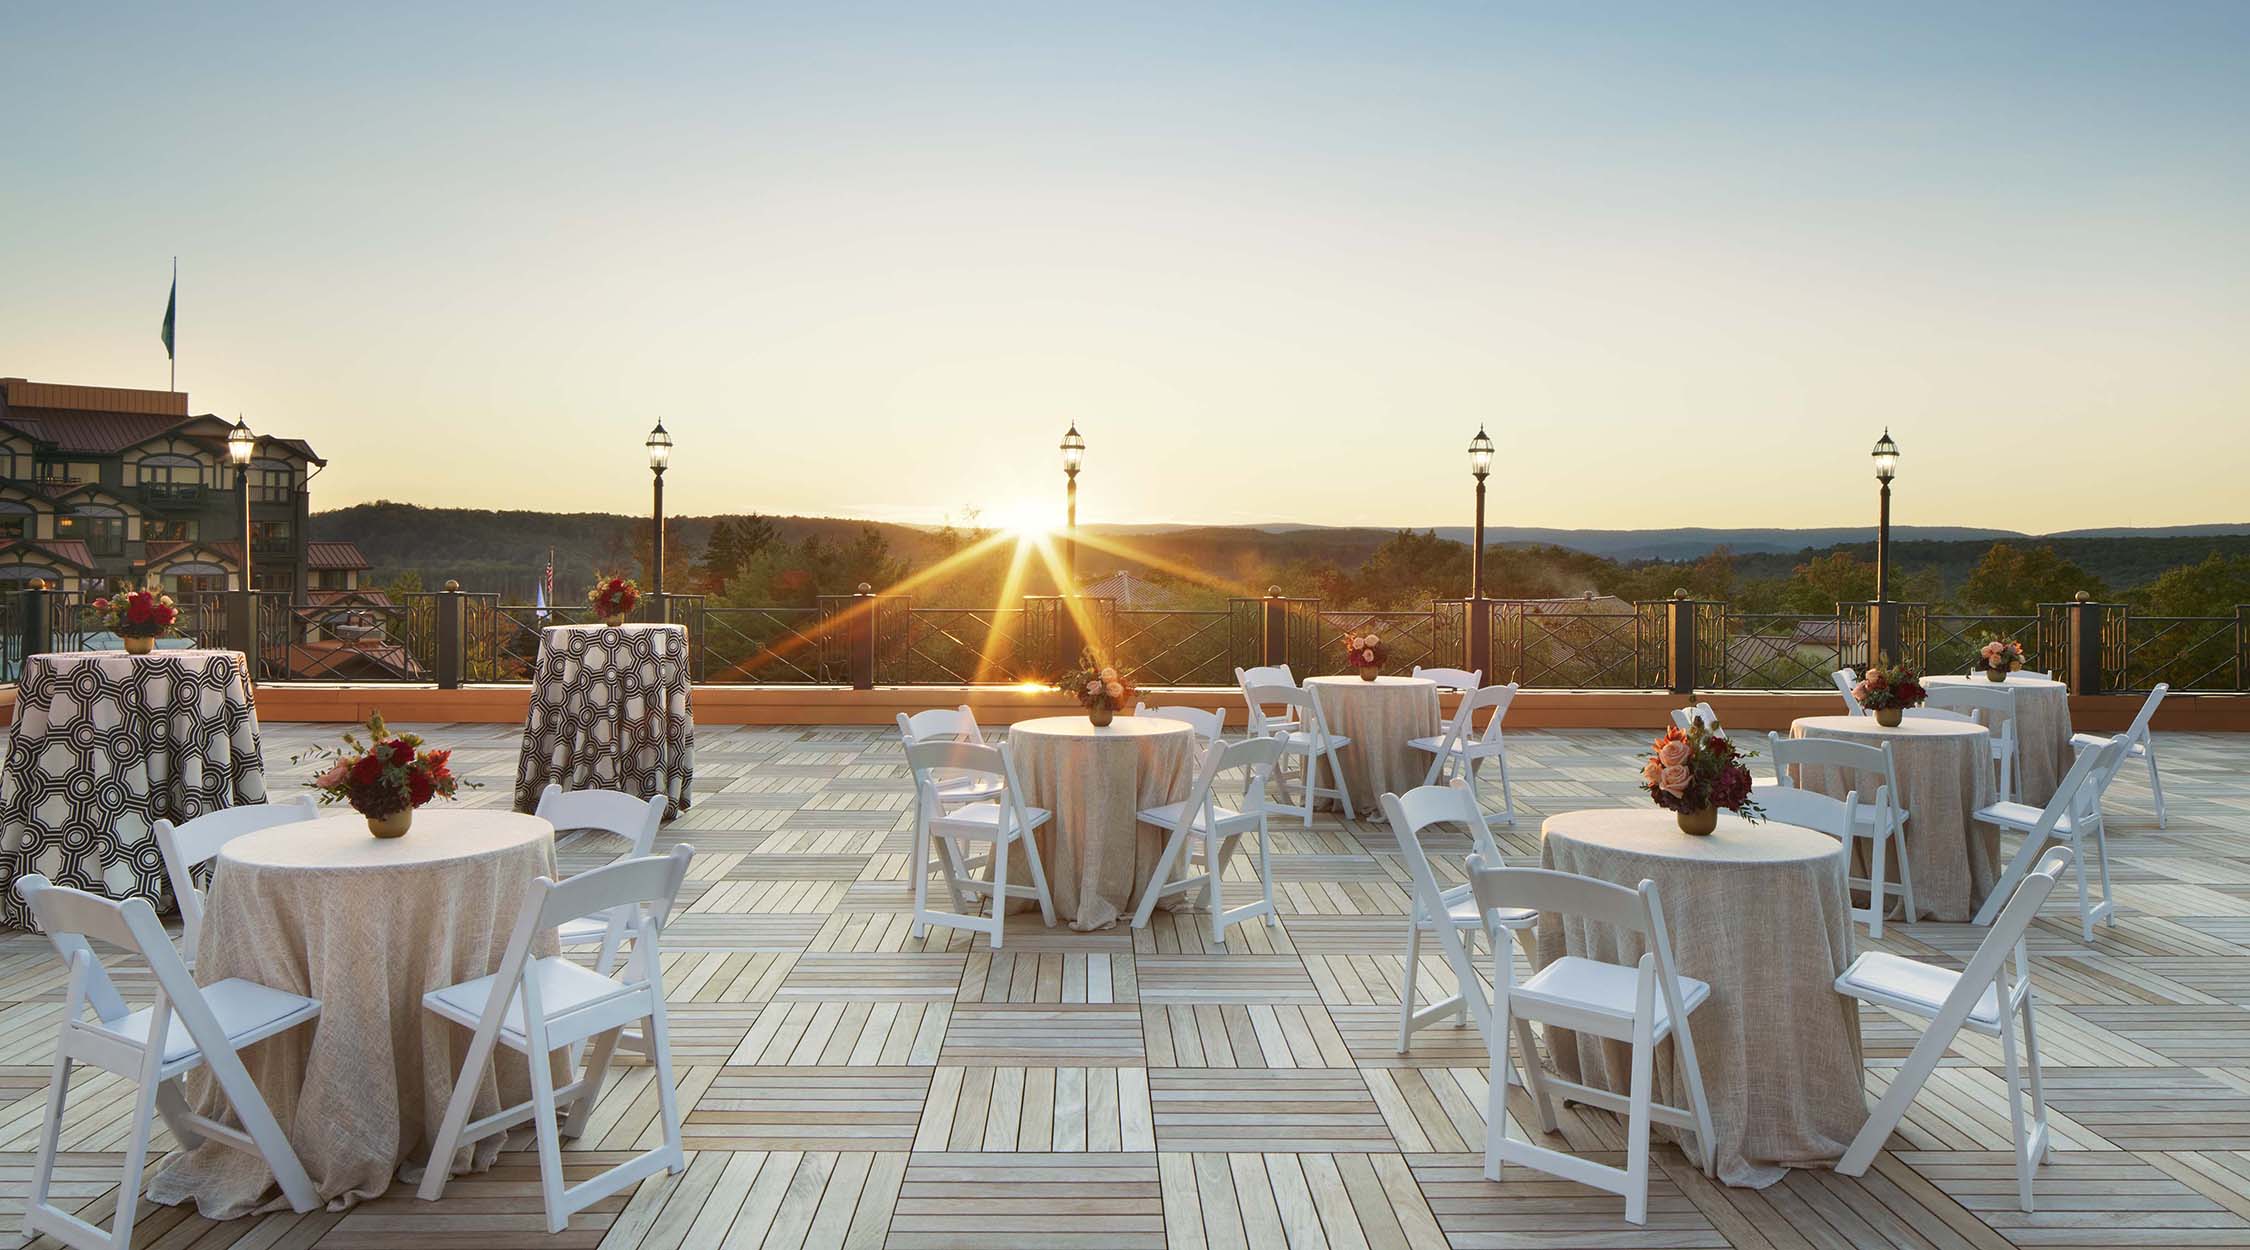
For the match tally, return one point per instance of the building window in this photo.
(157, 530)
(334, 579)
(15, 525)
(272, 481)
(278, 579)
(102, 532)
(171, 471)
(267, 537)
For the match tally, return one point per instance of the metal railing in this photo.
(1184, 648)
(1408, 637)
(1787, 650)
(1955, 639)
(2185, 652)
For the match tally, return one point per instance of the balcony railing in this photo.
(171, 495)
(449, 638)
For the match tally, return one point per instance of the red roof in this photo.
(331, 554)
(90, 433)
(69, 550)
(227, 553)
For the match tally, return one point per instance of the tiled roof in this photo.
(227, 553)
(76, 430)
(347, 598)
(68, 550)
(334, 554)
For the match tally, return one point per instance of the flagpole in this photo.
(172, 349)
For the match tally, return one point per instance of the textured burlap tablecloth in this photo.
(1098, 854)
(1758, 912)
(367, 926)
(2042, 729)
(1378, 716)
(1945, 768)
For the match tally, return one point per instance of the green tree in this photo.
(406, 583)
(2014, 581)
(733, 542)
(2212, 588)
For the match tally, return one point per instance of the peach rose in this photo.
(1371, 640)
(333, 777)
(1650, 772)
(1674, 779)
(1109, 674)
(1093, 687)
(1116, 690)
(1672, 754)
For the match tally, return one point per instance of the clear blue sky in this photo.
(1277, 261)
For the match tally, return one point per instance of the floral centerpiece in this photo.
(1695, 772)
(1999, 657)
(386, 777)
(1364, 654)
(612, 598)
(139, 617)
(1888, 689)
(1099, 688)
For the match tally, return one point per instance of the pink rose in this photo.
(1368, 655)
(333, 777)
(1674, 779)
(1371, 640)
(1650, 772)
(1093, 687)
(1116, 690)
(1672, 754)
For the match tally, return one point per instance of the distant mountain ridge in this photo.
(1694, 542)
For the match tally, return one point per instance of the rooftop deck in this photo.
(848, 1085)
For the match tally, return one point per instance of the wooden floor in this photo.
(847, 1085)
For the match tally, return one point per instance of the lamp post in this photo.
(1073, 455)
(1479, 634)
(659, 458)
(1885, 633)
(241, 446)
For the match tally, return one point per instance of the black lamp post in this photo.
(1479, 634)
(1073, 455)
(659, 458)
(1886, 621)
(241, 446)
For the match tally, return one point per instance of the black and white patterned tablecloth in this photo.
(105, 743)
(609, 711)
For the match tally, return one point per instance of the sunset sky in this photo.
(1277, 261)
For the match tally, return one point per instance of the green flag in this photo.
(171, 306)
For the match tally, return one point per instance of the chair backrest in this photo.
(2004, 938)
(956, 724)
(1462, 729)
(1810, 809)
(1451, 678)
(1267, 677)
(1876, 760)
(188, 846)
(1304, 708)
(2079, 792)
(1423, 806)
(645, 888)
(1258, 755)
(926, 757)
(1264, 675)
(1685, 717)
(1548, 891)
(608, 811)
(1995, 701)
(1845, 679)
(75, 920)
(1209, 726)
(2138, 734)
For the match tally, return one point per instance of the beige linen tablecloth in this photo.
(1378, 716)
(1097, 853)
(366, 926)
(1758, 912)
(1945, 769)
(2042, 729)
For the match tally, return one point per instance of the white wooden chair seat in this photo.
(1462, 749)
(1200, 822)
(969, 789)
(2141, 746)
(1461, 908)
(2072, 818)
(1306, 736)
(2079, 742)
(984, 820)
(1607, 992)
(1167, 816)
(247, 1012)
(1434, 742)
(1914, 987)
(564, 987)
(1297, 740)
(2016, 815)
(584, 931)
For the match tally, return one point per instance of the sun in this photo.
(1022, 518)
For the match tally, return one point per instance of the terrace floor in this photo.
(847, 1085)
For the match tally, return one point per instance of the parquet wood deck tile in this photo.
(848, 1086)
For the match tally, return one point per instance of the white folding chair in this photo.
(1209, 726)
(1939, 713)
(1982, 998)
(1304, 735)
(1994, 707)
(1845, 679)
(1881, 823)
(189, 846)
(539, 1006)
(1462, 749)
(611, 812)
(1640, 1005)
(1260, 722)
(1685, 718)
(200, 1026)
(2072, 816)
(954, 788)
(1199, 822)
(2142, 746)
(1449, 913)
(1003, 820)
(1461, 679)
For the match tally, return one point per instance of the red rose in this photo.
(369, 767)
(402, 752)
(166, 614)
(137, 610)
(418, 787)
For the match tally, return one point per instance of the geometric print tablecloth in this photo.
(105, 743)
(609, 711)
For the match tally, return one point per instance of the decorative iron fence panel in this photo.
(1955, 640)
(2183, 652)
(1578, 650)
(766, 647)
(1177, 648)
(1786, 650)
(1409, 637)
(966, 646)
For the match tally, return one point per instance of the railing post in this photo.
(2084, 671)
(38, 624)
(2242, 646)
(1476, 640)
(242, 625)
(452, 640)
(1679, 633)
(862, 638)
(1273, 631)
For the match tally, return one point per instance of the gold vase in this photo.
(1100, 715)
(139, 644)
(1996, 674)
(392, 826)
(1699, 821)
(1368, 673)
(614, 621)
(1889, 717)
